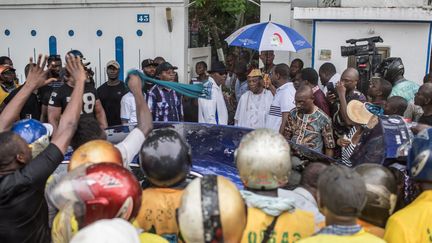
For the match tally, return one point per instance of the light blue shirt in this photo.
(240, 89)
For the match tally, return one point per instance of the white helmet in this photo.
(263, 160)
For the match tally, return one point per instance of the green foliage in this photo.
(228, 6)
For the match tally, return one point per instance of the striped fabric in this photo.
(348, 151)
(275, 111)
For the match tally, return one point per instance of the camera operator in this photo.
(345, 92)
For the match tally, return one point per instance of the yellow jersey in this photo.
(4, 93)
(158, 212)
(372, 229)
(64, 228)
(289, 227)
(360, 237)
(413, 224)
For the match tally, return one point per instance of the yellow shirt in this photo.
(413, 223)
(151, 238)
(4, 93)
(372, 229)
(158, 211)
(290, 227)
(359, 237)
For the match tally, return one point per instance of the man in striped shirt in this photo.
(283, 101)
(164, 103)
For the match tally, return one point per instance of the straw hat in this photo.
(358, 113)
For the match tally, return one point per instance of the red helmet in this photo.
(98, 191)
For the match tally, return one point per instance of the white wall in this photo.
(383, 3)
(280, 11)
(115, 20)
(406, 40)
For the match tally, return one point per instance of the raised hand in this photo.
(340, 89)
(135, 84)
(75, 68)
(37, 76)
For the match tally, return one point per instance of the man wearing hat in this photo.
(148, 66)
(165, 103)
(214, 110)
(254, 104)
(341, 198)
(111, 92)
(7, 84)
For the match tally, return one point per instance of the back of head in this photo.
(8, 148)
(381, 190)
(88, 129)
(114, 230)
(95, 151)
(341, 191)
(420, 157)
(311, 174)
(384, 86)
(263, 160)
(398, 105)
(159, 60)
(391, 68)
(5, 60)
(310, 75)
(212, 210)
(165, 158)
(283, 70)
(328, 68)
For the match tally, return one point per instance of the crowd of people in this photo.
(97, 198)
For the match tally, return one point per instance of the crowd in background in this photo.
(98, 199)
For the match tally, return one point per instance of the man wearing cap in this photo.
(254, 104)
(341, 198)
(308, 125)
(148, 66)
(61, 97)
(214, 110)
(7, 84)
(111, 92)
(164, 103)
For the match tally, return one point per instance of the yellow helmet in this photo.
(96, 151)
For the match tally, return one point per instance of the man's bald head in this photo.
(349, 79)
(304, 99)
(311, 173)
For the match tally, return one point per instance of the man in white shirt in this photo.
(327, 73)
(128, 109)
(283, 101)
(254, 105)
(214, 110)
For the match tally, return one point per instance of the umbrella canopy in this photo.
(268, 36)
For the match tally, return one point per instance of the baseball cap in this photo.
(342, 191)
(164, 67)
(113, 63)
(148, 62)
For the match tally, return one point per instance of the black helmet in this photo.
(165, 158)
(381, 190)
(390, 68)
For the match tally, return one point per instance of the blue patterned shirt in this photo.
(340, 230)
(165, 104)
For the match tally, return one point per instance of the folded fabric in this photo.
(273, 206)
(201, 90)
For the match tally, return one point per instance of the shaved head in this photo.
(352, 72)
(304, 90)
(311, 173)
(304, 99)
(349, 79)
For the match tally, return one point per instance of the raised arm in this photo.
(69, 120)
(144, 116)
(37, 77)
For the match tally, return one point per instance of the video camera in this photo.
(367, 58)
(360, 50)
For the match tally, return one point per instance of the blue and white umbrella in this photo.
(268, 36)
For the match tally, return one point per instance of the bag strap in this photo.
(269, 230)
